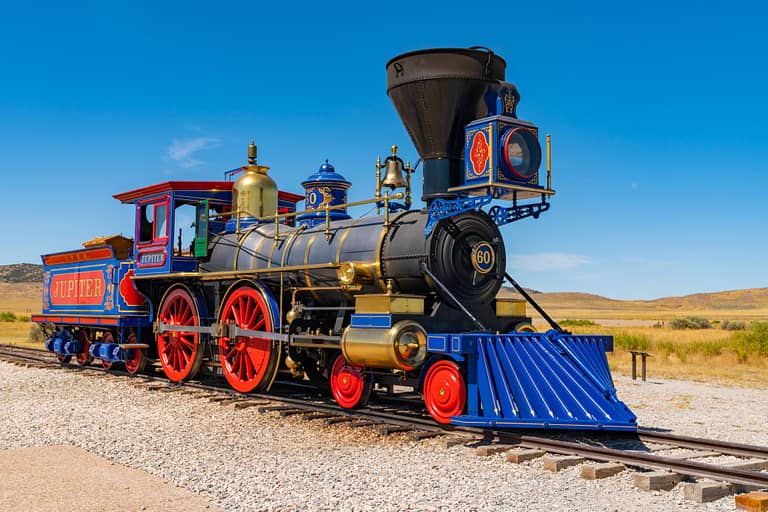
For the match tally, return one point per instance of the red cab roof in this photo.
(202, 186)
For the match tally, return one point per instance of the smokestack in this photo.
(437, 92)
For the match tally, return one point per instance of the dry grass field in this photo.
(714, 354)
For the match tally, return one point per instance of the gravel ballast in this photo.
(245, 460)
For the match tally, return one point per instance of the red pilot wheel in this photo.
(445, 393)
(134, 357)
(84, 358)
(246, 361)
(180, 352)
(349, 384)
(107, 338)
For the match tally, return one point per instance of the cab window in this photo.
(153, 222)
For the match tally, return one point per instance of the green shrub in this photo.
(576, 323)
(7, 316)
(690, 322)
(626, 341)
(36, 333)
(733, 325)
(23, 318)
(754, 340)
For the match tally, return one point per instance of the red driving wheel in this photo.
(180, 352)
(349, 385)
(84, 358)
(107, 338)
(445, 393)
(245, 361)
(134, 357)
(63, 359)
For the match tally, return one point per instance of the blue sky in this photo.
(658, 113)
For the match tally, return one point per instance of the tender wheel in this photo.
(248, 363)
(180, 352)
(84, 358)
(349, 384)
(445, 392)
(107, 338)
(135, 359)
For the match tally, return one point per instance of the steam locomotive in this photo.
(262, 291)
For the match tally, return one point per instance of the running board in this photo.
(536, 380)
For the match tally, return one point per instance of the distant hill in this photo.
(751, 303)
(21, 273)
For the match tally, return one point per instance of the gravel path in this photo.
(244, 460)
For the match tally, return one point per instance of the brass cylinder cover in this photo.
(403, 346)
(254, 194)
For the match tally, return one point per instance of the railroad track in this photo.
(632, 451)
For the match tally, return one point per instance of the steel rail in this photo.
(681, 466)
(418, 422)
(724, 447)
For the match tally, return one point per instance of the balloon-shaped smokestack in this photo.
(437, 92)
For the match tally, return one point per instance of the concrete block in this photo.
(555, 464)
(753, 502)
(519, 456)
(492, 449)
(703, 492)
(597, 471)
(656, 480)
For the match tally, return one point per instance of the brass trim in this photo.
(241, 237)
(476, 263)
(376, 303)
(275, 243)
(342, 239)
(379, 273)
(256, 252)
(510, 307)
(520, 188)
(307, 275)
(212, 276)
(402, 346)
(287, 215)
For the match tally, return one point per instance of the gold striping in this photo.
(240, 274)
(241, 238)
(275, 243)
(289, 243)
(379, 248)
(307, 277)
(343, 238)
(256, 252)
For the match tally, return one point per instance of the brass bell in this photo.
(393, 177)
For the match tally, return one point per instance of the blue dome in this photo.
(327, 175)
(324, 188)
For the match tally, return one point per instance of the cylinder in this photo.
(403, 346)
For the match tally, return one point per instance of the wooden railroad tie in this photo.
(555, 464)
(492, 449)
(603, 470)
(520, 456)
(753, 502)
(656, 480)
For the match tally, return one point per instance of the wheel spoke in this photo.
(249, 367)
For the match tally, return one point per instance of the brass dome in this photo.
(254, 194)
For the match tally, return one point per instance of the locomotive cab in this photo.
(166, 225)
